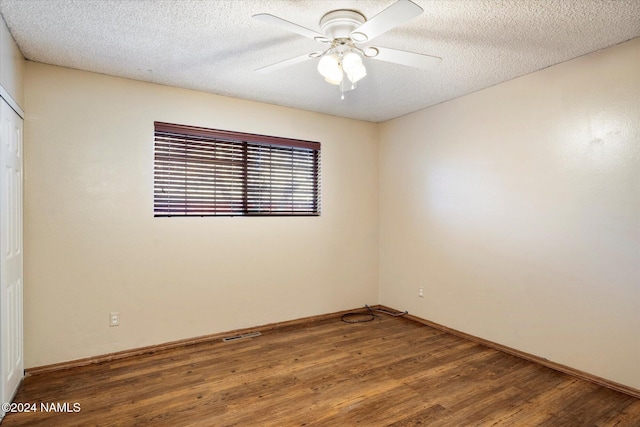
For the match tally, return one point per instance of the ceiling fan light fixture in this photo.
(334, 81)
(329, 67)
(353, 66)
(351, 62)
(358, 74)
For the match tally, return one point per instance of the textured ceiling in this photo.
(214, 46)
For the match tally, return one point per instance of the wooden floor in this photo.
(389, 372)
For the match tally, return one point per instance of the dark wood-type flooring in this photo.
(389, 372)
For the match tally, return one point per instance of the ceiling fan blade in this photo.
(396, 14)
(285, 63)
(290, 26)
(410, 59)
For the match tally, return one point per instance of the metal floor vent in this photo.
(241, 336)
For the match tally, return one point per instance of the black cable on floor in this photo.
(359, 317)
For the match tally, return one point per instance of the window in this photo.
(208, 172)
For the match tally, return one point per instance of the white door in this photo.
(11, 347)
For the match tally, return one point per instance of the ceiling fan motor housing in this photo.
(339, 24)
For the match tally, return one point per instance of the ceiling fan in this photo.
(343, 30)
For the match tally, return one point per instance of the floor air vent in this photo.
(241, 336)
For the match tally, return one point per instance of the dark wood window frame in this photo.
(211, 172)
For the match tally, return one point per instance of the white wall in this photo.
(93, 246)
(517, 208)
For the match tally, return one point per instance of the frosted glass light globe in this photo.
(351, 62)
(329, 67)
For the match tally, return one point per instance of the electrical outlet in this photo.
(114, 319)
(421, 292)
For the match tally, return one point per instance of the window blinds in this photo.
(209, 172)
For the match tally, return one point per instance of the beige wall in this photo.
(93, 245)
(11, 66)
(517, 208)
